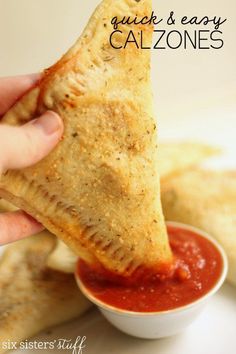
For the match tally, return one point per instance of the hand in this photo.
(22, 147)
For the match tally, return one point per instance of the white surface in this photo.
(195, 98)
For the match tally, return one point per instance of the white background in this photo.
(194, 94)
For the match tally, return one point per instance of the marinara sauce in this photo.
(197, 267)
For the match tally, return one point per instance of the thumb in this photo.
(23, 146)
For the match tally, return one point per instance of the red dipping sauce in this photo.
(198, 266)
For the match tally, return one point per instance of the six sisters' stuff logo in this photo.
(75, 346)
(206, 35)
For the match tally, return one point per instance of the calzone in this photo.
(99, 189)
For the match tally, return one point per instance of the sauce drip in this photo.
(197, 267)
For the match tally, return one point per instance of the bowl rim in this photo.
(211, 292)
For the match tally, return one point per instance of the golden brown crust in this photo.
(175, 157)
(99, 189)
(6, 206)
(205, 199)
(29, 291)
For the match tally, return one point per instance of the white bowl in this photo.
(153, 325)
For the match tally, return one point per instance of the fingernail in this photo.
(49, 122)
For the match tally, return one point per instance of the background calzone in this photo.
(99, 189)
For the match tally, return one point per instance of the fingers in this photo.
(17, 225)
(23, 146)
(12, 88)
